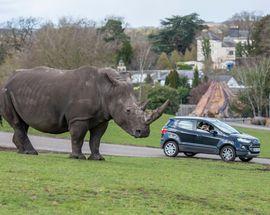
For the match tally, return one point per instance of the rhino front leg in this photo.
(95, 136)
(78, 130)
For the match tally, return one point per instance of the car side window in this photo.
(185, 124)
(204, 127)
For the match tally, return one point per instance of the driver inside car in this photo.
(205, 127)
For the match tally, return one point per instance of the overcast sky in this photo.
(136, 13)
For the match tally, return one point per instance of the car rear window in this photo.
(170, 123)
(185, 124)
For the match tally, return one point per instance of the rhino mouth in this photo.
(141, 133)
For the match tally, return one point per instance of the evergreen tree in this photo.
(175, 58)
(173, 79)
(183, 93)
(125, 53)
(205, 78)
(163, 62)
(196, 80)
(206, 48)
(183, 81)
(113, 31)
(177, 33)
(260, 37)
(158, 95)
(191, 54)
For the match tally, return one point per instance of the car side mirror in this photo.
(214, 133)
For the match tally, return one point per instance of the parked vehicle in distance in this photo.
(192, 135)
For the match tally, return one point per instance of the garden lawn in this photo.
(54, 184)
(116, 135)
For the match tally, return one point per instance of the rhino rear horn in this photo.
(157, 113)
(144, 104)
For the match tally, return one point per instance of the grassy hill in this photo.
(53, 184)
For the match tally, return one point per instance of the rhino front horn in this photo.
(157, 113)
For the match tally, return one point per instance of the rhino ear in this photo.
(113, 79)
(126, 76)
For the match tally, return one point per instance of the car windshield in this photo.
(225, 127)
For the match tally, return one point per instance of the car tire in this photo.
(245, 159)
(227, 153)
(190, 154)
(171, 149)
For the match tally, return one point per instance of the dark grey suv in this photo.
(192, 135)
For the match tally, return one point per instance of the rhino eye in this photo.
(128, 110)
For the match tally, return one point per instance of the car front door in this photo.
(185, 130)
(207, 141)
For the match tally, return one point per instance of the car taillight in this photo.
(164, 130)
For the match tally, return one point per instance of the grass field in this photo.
(54, 184)
(115, 134)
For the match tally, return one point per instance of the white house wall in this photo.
(219, 54)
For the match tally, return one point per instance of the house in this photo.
(159, 76)
(236, 35)
(229, 80)
(222, 48)
(222, 52)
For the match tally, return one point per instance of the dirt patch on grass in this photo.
(265, 169)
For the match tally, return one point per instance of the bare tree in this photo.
(69, 44)
(143, 57)
(18, 33)
(245, 21)
(255, 75)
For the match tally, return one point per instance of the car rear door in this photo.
(206, 141)
(185, 130)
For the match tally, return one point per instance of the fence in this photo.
(185, 110)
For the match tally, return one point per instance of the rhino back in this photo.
(47, 99)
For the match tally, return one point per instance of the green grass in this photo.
(53, 184)
(115, 134)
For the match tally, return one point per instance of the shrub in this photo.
(182, 66)
(158, 95)
(197, 92)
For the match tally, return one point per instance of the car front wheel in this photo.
(227, 153)
(171, 149)
(189, 154)
(244, 159)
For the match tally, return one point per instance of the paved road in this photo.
(64, 146)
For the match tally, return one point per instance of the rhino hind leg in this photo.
(20, 138)
(94, 143)
(22, 142)
(18, 144)
(78, 130)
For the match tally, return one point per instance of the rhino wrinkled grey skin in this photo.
(85, 99)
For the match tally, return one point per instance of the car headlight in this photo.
(242, 140)
(243, 147)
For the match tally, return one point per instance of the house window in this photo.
(231, 52)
